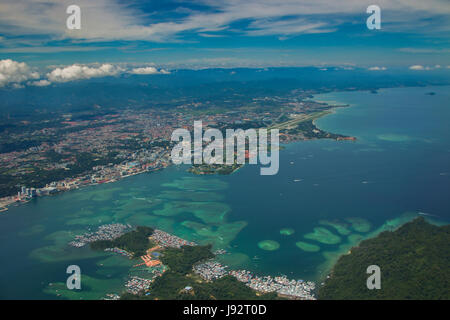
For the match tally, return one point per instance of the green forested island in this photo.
(414, 262)
(170, 286)
(135, 241)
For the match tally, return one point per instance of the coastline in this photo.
(377, 222)
(10, 200)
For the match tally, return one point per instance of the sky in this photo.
(156, 36)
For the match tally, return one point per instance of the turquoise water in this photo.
(399, 166)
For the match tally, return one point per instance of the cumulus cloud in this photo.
(17, 86)
(417, 67)
(420, 67)
(13, 72)
(376, 68)
(148, 70)
(78, 72)
(145, 70)
(40, 83)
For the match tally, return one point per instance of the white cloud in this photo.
(145, 70)
(286, 27)
(17, 86)
(77, 72)
(420, 67)
(376, 68)
(417, 67)
(148, 70)
(40, 83)
(13, 72)
(104, 20)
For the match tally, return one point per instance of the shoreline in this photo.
(13, 200)
(7, 201)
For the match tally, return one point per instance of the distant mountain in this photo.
(185, 86)
(414, 262)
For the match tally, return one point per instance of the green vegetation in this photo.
(309, 130)
(135, 241)
(414, 262)
(182, 260)
(223, 169)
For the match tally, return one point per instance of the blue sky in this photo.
(208, 33)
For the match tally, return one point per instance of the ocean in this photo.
(327, 196)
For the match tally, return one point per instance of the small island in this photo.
(222, 169)
(136, 241)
